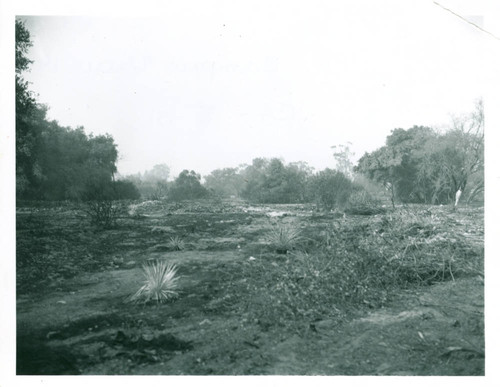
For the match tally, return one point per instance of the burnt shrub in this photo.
(101, 204)
(356, 264)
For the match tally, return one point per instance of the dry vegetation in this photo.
(253, 280)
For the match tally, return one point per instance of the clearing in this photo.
(74, 280)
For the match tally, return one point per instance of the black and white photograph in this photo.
(242, 188)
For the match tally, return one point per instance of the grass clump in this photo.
(176, 243)
(160, 283)
(284, 238)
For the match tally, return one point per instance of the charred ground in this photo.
(397, 293)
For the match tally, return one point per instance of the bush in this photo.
(160, 283)
(125, 189)
(103, 213)
(100, 203)
(362, 202)
(355, 265)
(283, 238)
(330, 189)
(309, 287)
(176, 243)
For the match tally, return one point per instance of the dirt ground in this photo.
(81, 324)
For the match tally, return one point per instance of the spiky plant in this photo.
(160, 282)
(284, 237)
(176, 243)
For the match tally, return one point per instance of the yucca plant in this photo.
(160, 283)
(284, 238)
(176, 243)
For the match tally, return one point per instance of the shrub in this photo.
(157, 191)
(354, 265)
(160, 284)
(103, 213)
(283, 237)
(102, 197)
(99, 199)
(309, 287)
(330, 189)
(176, 243)
(418, 249)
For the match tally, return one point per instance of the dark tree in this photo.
(187, 186)
(55, 162)
(421, 165)
(29, 120)
(396, 164)
(271, 181)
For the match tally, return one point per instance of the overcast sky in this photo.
(217, 84)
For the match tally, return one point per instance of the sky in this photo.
(220, 83)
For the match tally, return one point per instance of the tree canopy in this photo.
(187, 186)
(422, 165)
(271, 181)
(55, 162)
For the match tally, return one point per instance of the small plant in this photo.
(103, 213)
(160, 283)
(176, 243)
(284, 238)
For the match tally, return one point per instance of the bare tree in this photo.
(467, 175)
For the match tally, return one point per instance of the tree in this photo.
(463, 159)
(187, 186)
(254, 176)
(159, 173)
(330, 189)
(29, 119)
(271, 181)
(100, 167)
(75, 165)
(454, 161)
(225, 182)
(395, 165)
(343, 156)
(54, 162)
(125, 189)
(424, 166)
(152, 184)
(298, 177)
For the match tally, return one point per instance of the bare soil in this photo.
(73, 317)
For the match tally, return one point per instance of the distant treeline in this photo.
(418, 165)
